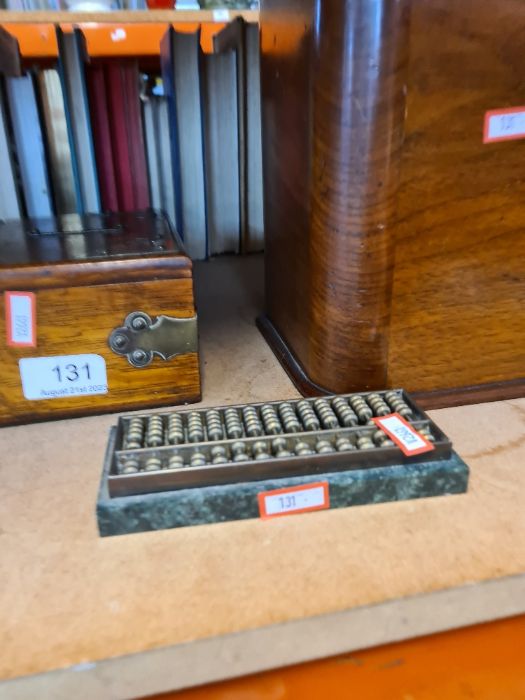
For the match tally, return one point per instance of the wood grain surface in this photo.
(69, 598)
(333, 122)
(458, 303)
(333, 106)
(87, 274)
(56, 276)
(120, 16)
(78, 320)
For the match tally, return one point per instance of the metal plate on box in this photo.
(140, 338)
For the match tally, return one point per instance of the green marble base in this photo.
(211, 504)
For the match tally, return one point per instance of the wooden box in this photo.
(394, 195)
(97, 314)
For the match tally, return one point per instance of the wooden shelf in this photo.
(127, 16)
(152, 612)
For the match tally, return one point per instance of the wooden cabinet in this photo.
(395, 235)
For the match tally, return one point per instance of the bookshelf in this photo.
(120, 33)
(89, 46)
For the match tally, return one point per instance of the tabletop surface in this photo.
(68, 597)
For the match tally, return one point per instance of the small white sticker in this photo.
(118, 34)
(504, 124)
(403, 434)
(296, 499)
(221, 15)
(63, 376)
(288, 502)
(20, 319)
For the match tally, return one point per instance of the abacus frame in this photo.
(166, 479)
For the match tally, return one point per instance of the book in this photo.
(129, 158)
(29, 144)
(243, 38)
(222, 152)
(58, 148)
(98, 109)
(162, 130)
(152, 155)
(168, 85)
(71, 69)
(157, 136)
(119, 137)
(253, 177)
(181, 58)
(9, 201)
(133, 120)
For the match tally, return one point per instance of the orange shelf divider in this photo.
(120, 39)
(34, 40)
(208, 31)
(108, 38)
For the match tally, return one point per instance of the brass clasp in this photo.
(140, 337)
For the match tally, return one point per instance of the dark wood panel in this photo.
(333, 109)
(334, 77)
(286, 131)
(458, 306)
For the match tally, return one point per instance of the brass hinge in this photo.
(140, 337)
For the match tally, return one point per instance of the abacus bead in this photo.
(175, 462)
(130, 466)
(153, 464)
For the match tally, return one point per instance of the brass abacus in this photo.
(162, 451)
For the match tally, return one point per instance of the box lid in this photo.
(75, 250)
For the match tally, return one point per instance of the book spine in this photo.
(119, 137)
(183, 61)
(222, 153)
(253, 180)
(232, 37)
(71, 67)
(54, 121)
(30, 146)
(152, 151)
(9, 202)
(98, 107)
(162, 130)
(137, 151)
(168, 81)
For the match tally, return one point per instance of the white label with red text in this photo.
(63, 376)
(403, 434)
(504, 125)
(20, 316)
(295, 499)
